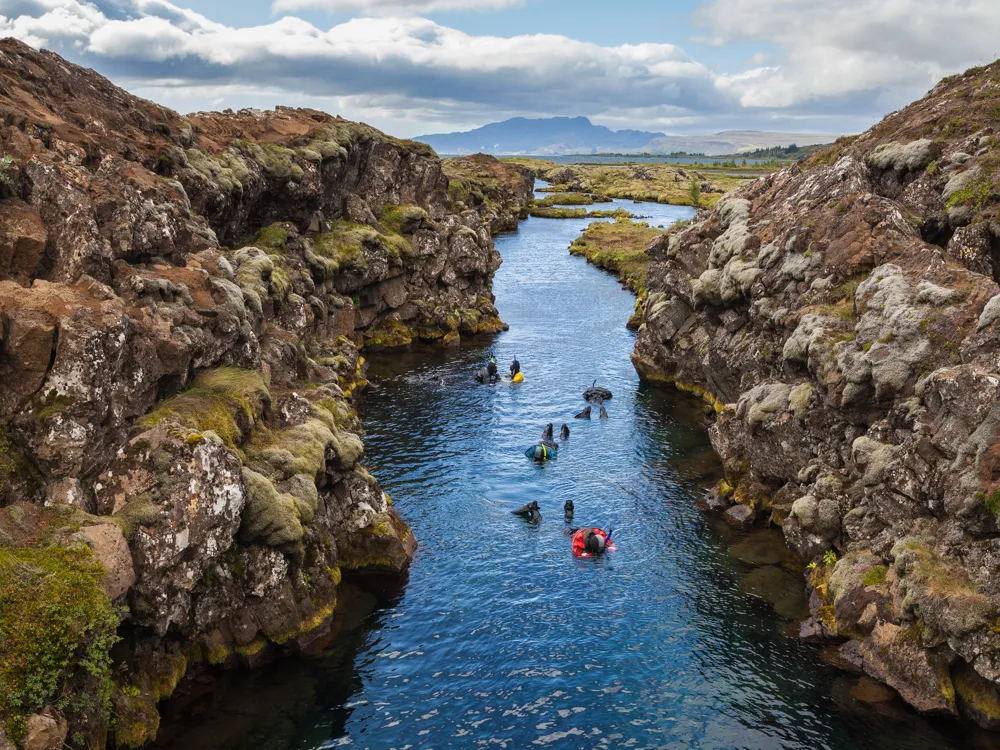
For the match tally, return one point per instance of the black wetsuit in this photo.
(491, 370)
(515, 368)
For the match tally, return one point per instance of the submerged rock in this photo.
(740, 516)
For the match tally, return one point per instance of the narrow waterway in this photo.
(500, 637)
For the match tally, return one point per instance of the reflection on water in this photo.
(501, 638)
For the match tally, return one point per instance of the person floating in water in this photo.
(530, 512)
(547, 437)
(515, 367)
(491, 370)
(591, 542)
(542, 452)
(568, 510)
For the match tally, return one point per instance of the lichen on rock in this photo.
(862, 358)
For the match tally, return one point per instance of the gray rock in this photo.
(740, 516)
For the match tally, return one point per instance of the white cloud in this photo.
(412, 62)
(835, 51)
(835, 66)
(396, 7)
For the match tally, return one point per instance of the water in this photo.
(500, 638)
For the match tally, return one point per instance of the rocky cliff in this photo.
(182, 303)
(843, 318)
(498, 191)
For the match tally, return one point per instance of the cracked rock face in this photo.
(859, 393)
(182, 305)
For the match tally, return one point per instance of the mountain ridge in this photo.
(559, 136)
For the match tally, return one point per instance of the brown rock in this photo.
(22, 241)
(867, 690)
(386, 546)
(978, 698)
(111, 549)
(897, 657)
(45, 731)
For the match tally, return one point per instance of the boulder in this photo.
(895, 656)
(112, 551)
(45, 731)
(22, 242)
(740, 516)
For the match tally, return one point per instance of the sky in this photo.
(412, 67)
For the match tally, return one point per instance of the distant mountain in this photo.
(551, 136)
(557, 136)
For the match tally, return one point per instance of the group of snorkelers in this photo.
(490, 374)
(586, 542)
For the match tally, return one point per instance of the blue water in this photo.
(500, 637)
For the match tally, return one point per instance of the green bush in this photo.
(57, 626)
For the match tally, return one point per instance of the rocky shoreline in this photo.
(183, 303)
(841, 317)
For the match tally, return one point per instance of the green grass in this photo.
(564, 199)
(619, 247)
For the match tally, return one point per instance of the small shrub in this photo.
(695, 193)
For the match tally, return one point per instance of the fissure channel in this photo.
(500, 637)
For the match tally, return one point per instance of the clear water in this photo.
(500, 637)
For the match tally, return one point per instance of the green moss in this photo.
(52, 405)
(559, 213)
(405, 218)
(57, 626)
(272, 239)
(343, 244)
(281, 282)
(992, 503)
(218, 653)
(875, 576)
(167, 674)
(138, 511)
(391, 334)
(696, 390)
(976, 693)
(228, 170)
(253, 648)
(226, 400)
(136, 720)
(319, 616)
(457, 192)
(279, 161)
(269, 517)
(932, 168)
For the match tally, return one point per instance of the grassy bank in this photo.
(658, 183)
(620, 248)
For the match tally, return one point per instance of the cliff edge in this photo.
(842, 317)
(182, 304)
